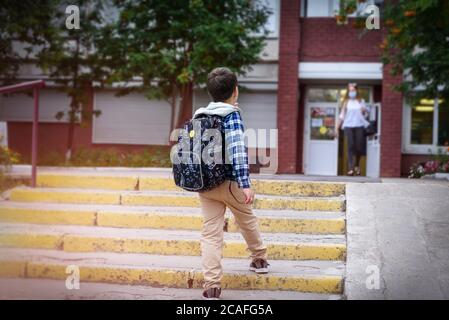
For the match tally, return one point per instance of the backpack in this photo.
(199, 157)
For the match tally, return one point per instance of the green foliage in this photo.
(70, 57)
(8, 157)
(150, 157)
(417, 44)
(171, 44)
(28, 22)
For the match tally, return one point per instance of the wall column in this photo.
(287, 105)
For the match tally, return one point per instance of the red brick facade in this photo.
(322, 40)
(391, 130)
(287, 108)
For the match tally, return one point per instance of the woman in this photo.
(352, 121)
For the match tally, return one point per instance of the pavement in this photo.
(398, 240)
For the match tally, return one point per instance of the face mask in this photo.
(352, 94)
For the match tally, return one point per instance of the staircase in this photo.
(137, 228)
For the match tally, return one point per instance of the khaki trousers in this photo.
(213, 207)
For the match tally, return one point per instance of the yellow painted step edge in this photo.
(293, 188)
(30, 195)
(179, 279)
(87, 181)
(79, 243)
(178, 222)
(12, 269)
(273, 203)
(43, 216)
(161, 221)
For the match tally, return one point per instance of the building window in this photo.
(327, 8)
(426, 126)
(422, 123)
(443, 124)
(272, 23)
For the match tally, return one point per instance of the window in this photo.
(422, 123)
(426, 126)
(324, 94)
(272, 23)
(443, 124)
(327, 8)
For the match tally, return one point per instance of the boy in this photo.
(235, 193)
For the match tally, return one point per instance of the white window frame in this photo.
(333, 6)
(407, 146)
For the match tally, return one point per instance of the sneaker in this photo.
(212, 294)
(259, 266)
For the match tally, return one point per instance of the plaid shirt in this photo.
(236, 151)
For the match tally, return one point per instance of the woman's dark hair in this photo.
(221, 83)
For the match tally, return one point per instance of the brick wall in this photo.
(391, 128)
(323, 40)
(287, 105)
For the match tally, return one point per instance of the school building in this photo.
(296, 88)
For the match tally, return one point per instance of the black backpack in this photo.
(199, 157)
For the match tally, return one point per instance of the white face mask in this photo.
(352, 94)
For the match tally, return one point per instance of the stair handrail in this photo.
(35, 85)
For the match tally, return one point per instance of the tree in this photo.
(172, 45)
(24, 24)
(417, 44)
(72, 61)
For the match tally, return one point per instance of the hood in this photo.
(217, 108)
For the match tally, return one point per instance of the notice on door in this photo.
(322, 123)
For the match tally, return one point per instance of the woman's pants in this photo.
(356, 145)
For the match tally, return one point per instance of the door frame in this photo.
(375, 139)
(307, 116)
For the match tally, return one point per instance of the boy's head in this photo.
(221, 84)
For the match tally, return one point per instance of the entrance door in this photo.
(321, 146)
(373, 144)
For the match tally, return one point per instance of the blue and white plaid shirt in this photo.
(236, 150)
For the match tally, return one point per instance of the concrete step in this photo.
(47, 289)
(182, 218)
(170, 271)
(140, 180)
(282, 246)
(165, 198)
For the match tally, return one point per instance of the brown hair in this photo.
(221, 83)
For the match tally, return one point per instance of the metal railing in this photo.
(35, 85)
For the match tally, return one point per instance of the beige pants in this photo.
(213, 207)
